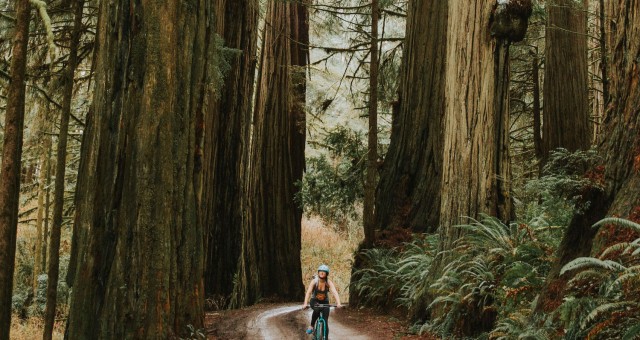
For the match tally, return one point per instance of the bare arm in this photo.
(333, 290)
(308, 294)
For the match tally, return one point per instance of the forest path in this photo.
(289, 321)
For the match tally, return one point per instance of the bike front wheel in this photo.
(319, 333)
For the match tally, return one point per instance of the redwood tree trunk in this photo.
(476, 172)
(140, 257)
(227, 122)
(620, 148)
(369, 213)
(566, 87)
(11, 163)
(270, 261)
(61, 165)
(408, 192)
(566, 119)
(537, 112)
(39, 260)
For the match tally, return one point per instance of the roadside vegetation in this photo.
(489, 287)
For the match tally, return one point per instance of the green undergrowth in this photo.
(489, 283)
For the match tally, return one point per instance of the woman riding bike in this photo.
(319, 287)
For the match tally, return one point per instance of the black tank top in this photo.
(321, 296)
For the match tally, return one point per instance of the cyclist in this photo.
(320, 287)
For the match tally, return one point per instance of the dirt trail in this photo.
(289, 322)
(277, 321)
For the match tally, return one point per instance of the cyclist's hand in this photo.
(305, 307)
(339, 305)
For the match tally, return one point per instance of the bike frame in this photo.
(321, 322)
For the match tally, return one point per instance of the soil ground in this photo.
(287, 321)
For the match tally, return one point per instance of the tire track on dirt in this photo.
(289, 322)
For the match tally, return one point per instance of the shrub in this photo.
(556, 195)
(332, 187)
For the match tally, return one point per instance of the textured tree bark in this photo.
(227, 122)
(140, 259)
(369, 212)
(476, 172)
(566, 88)
(11, 163)
(603, 53)
(270, 259)
(61, 165)
(47, 205)
(620, 149)
(537, 112)
(39, 261)
(566, 123)
(408, 192)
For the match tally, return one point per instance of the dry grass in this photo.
(322, 244)
(32, 328)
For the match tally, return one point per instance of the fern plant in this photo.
(497, 269)
(377, 283)
(413, 270)
(521, 324)
(396, 277)
(611, 283)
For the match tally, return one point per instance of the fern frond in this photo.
(533, 335)
(453, 298)
(585, 262)
(630, 273)
(590, 274)
(618, 247)
(632, 333)
(605, 308)
(618, 221)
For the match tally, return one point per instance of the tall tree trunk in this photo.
(603, 54)
(566, 87)
(47, 205)
(620, 149)
(598, 86)
(369, 212)
(39, 261)
(408, 192)
(537, 112)
(61, 165)
(270, 260)
(476, 172)
(11, 163)
(566, 116)
(140, 258)
(225, 147)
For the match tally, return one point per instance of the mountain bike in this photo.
(320, 328)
